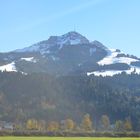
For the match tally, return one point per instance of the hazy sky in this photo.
(115, 23)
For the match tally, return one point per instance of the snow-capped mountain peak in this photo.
(67, 54)
(70, 38)
(74, 38)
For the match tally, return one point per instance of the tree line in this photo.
(68, 125)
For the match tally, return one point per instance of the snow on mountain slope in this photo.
(29, 59)
(105, 73)
(136, 69)
(70, 38)
(68, 41)
(112, 58)
(70, 53)
(9, 67)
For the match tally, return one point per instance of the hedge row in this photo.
(70, 134)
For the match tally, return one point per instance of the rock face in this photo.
(71, 53)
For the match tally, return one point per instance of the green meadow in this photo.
(64, 138)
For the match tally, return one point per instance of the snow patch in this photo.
(67, 41)
(125, 60)
(29, 59)
(71, 38)
(112, 58)
(133, 69)
(75, 42)
(104, 73)
(8, 67)
(136, 69)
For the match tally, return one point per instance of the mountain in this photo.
(59, 78)
(69, 54)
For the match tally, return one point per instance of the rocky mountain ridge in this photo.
(71, 53)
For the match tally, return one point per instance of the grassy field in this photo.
(61, 138)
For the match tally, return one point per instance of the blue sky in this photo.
(115, 23)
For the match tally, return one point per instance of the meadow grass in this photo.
(64, 138)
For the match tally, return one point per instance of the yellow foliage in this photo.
(69, 124)
(105, 122)
(53, 126)
(128, 125)
(87, 123)
(32, 124)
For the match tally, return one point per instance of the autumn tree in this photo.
(68, 124)
(119, 126)
(86, 123)
(105, 122)
(32, 124)
(128, 124)
(53, 126)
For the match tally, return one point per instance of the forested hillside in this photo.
(49, 98)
